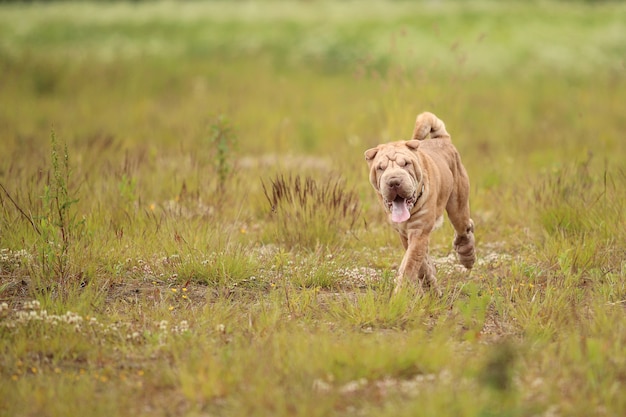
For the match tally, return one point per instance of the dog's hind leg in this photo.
(459, 214)
(464, 245)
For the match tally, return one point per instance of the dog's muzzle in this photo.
(400, 207)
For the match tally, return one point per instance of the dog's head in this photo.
(395, 173)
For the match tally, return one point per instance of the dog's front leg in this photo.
(427, 275)
(414, 257)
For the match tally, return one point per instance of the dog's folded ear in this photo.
(371, 154)
(412, 144)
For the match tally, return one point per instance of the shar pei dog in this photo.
(415, 181)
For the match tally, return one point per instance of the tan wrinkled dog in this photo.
(415, 181)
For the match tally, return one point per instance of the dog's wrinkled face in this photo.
(396, 175)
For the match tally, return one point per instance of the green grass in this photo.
(187, 228)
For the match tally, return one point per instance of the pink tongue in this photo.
(399, 211)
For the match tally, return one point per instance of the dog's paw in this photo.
(465, 249)
(427, 277)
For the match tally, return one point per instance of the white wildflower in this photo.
(353, 386)
(133, 336)
(320, 385)
(183, 326)
(72, 318)
(32, 305)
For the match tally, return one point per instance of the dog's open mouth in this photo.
(401, 208)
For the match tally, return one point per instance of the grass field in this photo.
(187, 226)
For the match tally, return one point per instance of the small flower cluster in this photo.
(177, 296)
(180, 328)
(12, 260)
(359, 277)
(29, 314)
(31, 311)
(142, 267)
(31, 305)
(163, 329)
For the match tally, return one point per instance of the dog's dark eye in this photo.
(380, 168)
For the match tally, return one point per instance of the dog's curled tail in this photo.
(429, 123)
